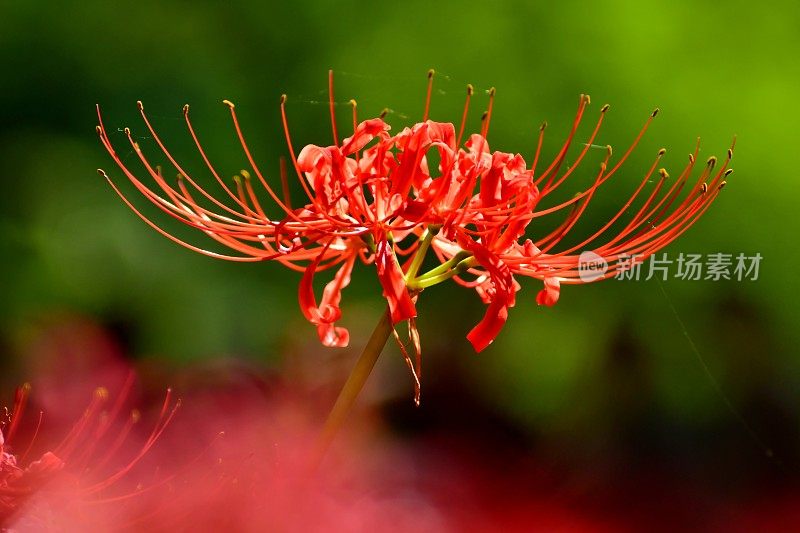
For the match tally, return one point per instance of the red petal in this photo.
(500, 298)
(489, 327)
(305, 292)
(410, 159)
(332, 336)
(327, 312)
(443, 132)
(391, 278)
(549, 295)
(312, 157)
(414, 210)
(476, 143)
(365, 132)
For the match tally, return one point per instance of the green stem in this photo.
(352, 387)
(447, 265)
(429, 281)
(422, 251)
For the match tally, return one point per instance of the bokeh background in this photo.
(654, 407)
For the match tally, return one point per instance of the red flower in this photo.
(374, 198)
(78, 473)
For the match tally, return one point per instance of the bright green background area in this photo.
(70, 247)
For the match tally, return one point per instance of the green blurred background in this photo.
(607, 373)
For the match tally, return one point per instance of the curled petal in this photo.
(316, 163)
(401, 306)
(549, 295)
(489, 327)
(412, 144)
(500, 295)
(333, 336)
(327, 312)
(492, 184)
(313, 157)
(365, 132)
(442, 132)
(477, 144)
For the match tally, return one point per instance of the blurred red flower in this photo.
(71, 481)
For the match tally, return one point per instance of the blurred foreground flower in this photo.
(377, 198)
(72, 483)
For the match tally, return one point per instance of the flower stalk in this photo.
(425, 243)
(352, 387)
(436, 276)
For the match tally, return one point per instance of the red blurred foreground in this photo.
(464, 473)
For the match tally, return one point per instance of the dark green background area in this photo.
(608, 356)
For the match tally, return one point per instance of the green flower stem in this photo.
(422, 251)
(430, 280)
(377, 341)
(352, 387)
(447, 265)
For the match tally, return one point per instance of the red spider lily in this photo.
(373, 197)
(82, 470)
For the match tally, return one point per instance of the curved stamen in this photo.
(470, 90)
(331, 106)
(431, 72)
(488, 115)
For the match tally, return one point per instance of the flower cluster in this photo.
(376, 198)
(79, 472)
